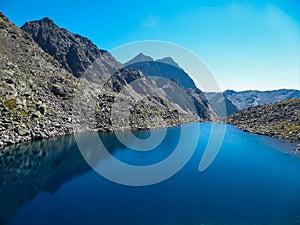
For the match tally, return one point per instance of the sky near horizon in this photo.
(246, 44)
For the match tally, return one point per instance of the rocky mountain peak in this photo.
(168, 60)
(73, 51)
(47, 20)
(140, 58)
(229, 92)
(165, 67)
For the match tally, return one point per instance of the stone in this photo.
(23, 131)
(42, 109)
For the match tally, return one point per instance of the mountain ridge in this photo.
(107, 71)
(241, 100)
(38, 98)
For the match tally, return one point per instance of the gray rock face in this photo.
(29, 107)
(280, 119)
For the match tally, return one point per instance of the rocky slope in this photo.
(39, 98)
(34, 89)
(176, 83)
(280, 119)
(106, 71)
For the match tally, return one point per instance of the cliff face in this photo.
(41, 99)
(280, 119)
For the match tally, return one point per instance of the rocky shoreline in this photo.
(279, 120)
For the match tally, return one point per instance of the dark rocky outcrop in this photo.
(280, 119)
(74, 52)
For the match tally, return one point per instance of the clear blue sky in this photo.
(246, 44)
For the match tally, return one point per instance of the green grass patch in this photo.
(24, 113)
(291, 100)
(285, 127)
(10, 103)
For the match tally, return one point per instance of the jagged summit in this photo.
(165, 67)
(44, 22)
(229, 92)
(140, 58)
(73, 51)
(168, 60)
(47, 20)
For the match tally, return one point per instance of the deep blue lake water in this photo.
(253, 180)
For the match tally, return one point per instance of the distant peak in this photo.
(229, 92)
(140, 58)
(142, 55)
(168, 60)
(47, 19)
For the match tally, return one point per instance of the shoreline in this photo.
(144, 129)
(4, 145)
